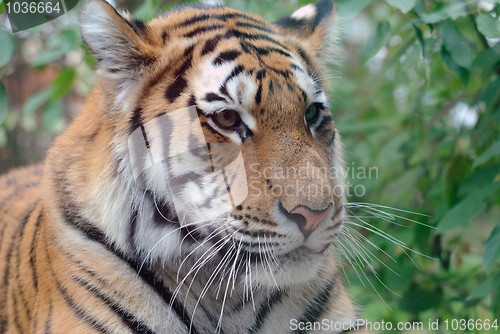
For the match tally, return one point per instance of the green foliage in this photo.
(377, 40)
(417, 98)
(492, 248)
(8, 44)
(4, 103)
(488, 25)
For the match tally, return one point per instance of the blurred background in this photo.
(417, 101)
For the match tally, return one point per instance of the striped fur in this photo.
(151, 216)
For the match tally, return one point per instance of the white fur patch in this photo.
(306, 12)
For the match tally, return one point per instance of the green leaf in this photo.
(491, 91)
(378, 39)
(452, 11)
(480, 178)
(458, 47)
(492, 248)
(488, 25)
(51, 114)
(458, 170)
(63, 83)
(487, 59)
(349, 9)
(404, 5)
(492, 151)
(4, 103)
(485, 287)
(470, 206)
(418, 300)
(36, 101)
(420, 38)
(462, 72)
(8, 44)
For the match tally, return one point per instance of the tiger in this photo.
(179, 200)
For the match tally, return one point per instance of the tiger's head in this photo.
(223, 143)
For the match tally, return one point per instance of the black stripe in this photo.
(234, 73)
(32, 250)
(94, 134)
(304, 95)
(264, 310)
(241, 34)
(266, 51)
(138, 26)
(161, 211)
(48, 320)
(258, 95)
(211, 97)
(211, 44)
(326, 120)
(176, 89)
(164, 36)
(145, 136)
(254, 26)
(185, 66)
(136, 120)
(179, 85)
(209, 128)
(316, 307)
(261, 75)
(223, 91)
(222, 17)
(226, 56)
(15, 310)
(223, 87)
(128, 318)
(330, 142)
(73, 218)
(295, 67)
(203, 29)
(303, 55)
(134, 216)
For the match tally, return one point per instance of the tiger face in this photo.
(225, 143)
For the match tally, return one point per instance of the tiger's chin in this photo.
(300, 266)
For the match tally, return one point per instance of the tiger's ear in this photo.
(316, 25)
(118, 43)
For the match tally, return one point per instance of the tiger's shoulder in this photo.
(19, 189)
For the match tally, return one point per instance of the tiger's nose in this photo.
(308, 219)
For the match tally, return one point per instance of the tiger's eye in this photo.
(311, 114)
(227, 118)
